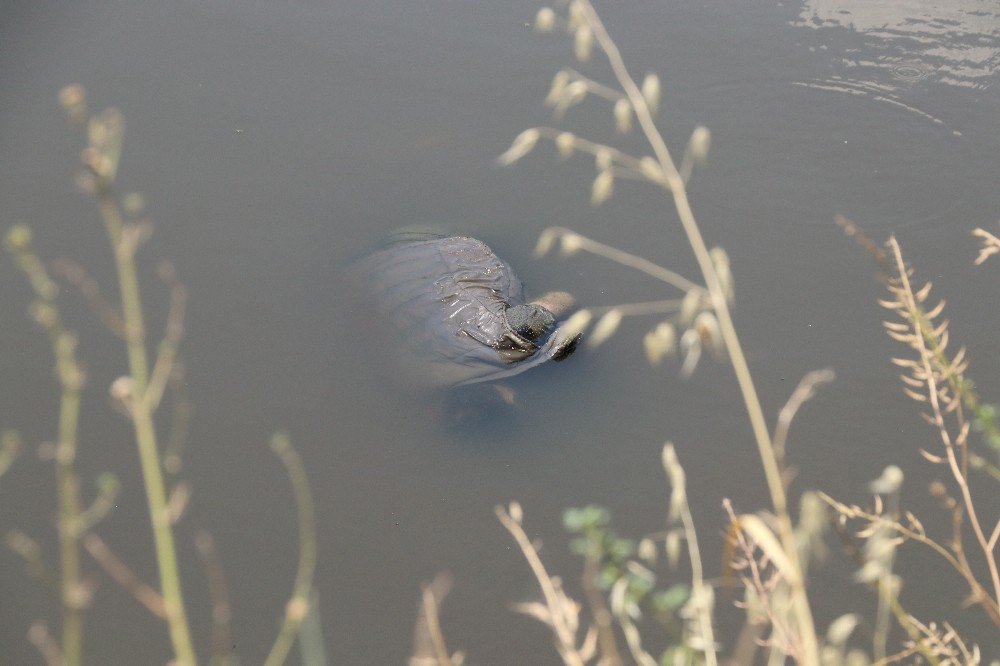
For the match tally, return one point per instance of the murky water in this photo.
(275, 145)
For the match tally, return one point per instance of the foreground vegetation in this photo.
(137, 396)
(768, 554)
(632, 598)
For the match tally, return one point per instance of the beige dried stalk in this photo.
(931, 379)
(559, 612)
(661, 170)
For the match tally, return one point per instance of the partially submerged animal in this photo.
(456, 312)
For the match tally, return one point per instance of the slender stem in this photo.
(145, 431)
(758, 423)
(298, 605)
(70, 378)
(949, 445)
(69, 511)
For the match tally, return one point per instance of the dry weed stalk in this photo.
(632, 101)
(139, 393)
(943, 643)
(429, 648)
(71, 378)
(766, 602)
(935, 379)
(559, 612)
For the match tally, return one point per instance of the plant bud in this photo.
(559, 82)
(623, 115)
(565, 144)
(651, 92)
(545, 19)
(545, 242)
(602, 188)
(605, 328)
(522, 145)
(701, 140)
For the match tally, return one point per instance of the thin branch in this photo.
(558, 606)
(124, 576)
(803, 392)
(675, 184)
(222, 610)
(949, 445)
(298, 605)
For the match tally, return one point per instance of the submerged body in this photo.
(456, 311)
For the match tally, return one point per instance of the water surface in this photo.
(277, 144)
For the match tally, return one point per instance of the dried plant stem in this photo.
(599, 610)
(40, 637)
(958, 469)
(430, 606)
(675, 184)
(123, 575)
(222, 610)
(698, 587)
(71, 379)
(141, 413)
(69, 511)
(298, 605)
(632, 261)
(562, 625)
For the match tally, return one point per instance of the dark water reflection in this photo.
(277, 144)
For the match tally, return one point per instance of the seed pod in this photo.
(721, 262)
(576, 324)
(889, 482)
(660, 342)
(701, 140)
(559, 82)
(690, 305)
(572, 94)
(651, 92)
(691, 349)
(623, 115)
(545, 242)
(545, 19)
(707, 327)
(521, 146)
(565, 144)
(605, 328)
(602, 188)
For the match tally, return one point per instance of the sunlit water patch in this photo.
(955, 43)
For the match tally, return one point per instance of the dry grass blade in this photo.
(562, 614)
(429, 647)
